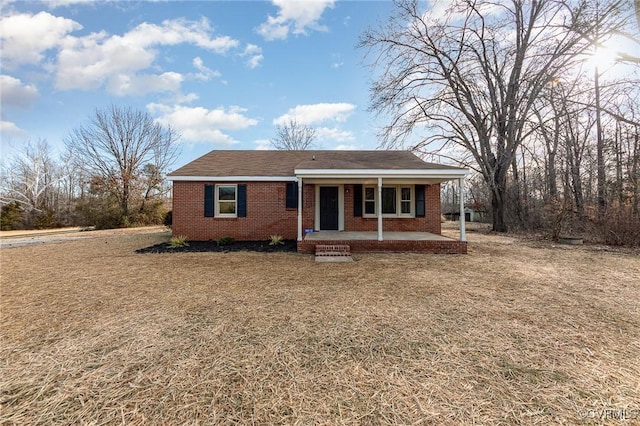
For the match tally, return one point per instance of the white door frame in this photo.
(340, 206)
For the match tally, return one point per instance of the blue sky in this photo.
(222, 73)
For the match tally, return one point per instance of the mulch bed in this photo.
(212, 246)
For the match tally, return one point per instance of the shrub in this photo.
(10, 216)
(275, 240)
(168, 219)
(178, 241)
(151, 213)
(225, 241)
(45, 219)
(619, 227)
(103, 213)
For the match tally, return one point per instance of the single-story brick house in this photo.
(371, 200)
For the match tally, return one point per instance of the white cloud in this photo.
(59, 3)
(14, 93)
(25, 37)
(254, 61)
(335, 134)
(205, 73)
(338, 62)
(344, 147)
(255, 55)
(97, 59)
(198, 124)
(294, 16)
(124, 64)
(185, 99)
(263, 145)
(140, 85)
(317, 113)
(8, 128)
(89, 62)
(178, 31)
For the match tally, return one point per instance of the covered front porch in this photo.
(388, 207)
(366, 241)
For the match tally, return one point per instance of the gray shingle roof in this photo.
(283, 163)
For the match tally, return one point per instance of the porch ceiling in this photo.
(371, 181)
(353, 175)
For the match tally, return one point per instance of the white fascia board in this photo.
(233, 178)
(363, 174)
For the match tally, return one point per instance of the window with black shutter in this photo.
(242, 200)
(420, 208)
(208, 200)
(225, 200)
(357, 200)
(292, 195)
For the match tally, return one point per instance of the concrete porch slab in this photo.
(331, 259)
(373, 236)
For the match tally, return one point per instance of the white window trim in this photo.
(378, 204)
(364, 201)
(217, 200)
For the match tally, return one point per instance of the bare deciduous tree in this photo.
(470, 75)
(117, 144)
(293, 136)
(30, 178)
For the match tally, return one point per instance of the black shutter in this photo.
(419, 200)
(208, 200)
(242, 200)
(357, 200)
(292, 195)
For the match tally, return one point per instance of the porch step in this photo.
(333, 253)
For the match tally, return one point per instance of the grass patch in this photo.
(512, 333)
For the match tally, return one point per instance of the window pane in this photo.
(226, 193)
(405, 207)
(370, 207)
(369, 193)
(388, 200)
(227, 207)
(406, 194)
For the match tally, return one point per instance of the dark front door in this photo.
(329, 208)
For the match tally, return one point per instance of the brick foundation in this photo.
(422, 246)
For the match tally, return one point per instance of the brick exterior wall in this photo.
(267, 213)
(429, 223)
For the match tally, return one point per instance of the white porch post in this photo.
(379, 209)
(299, 209)
(463, 237)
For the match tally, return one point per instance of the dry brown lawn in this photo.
(515, 332)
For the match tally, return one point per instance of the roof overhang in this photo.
(233, 178)
(440, 174)
(434, 175)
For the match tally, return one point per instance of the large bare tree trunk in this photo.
(601, 175)
(635, 170)
(498, 193)
(469, 76)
